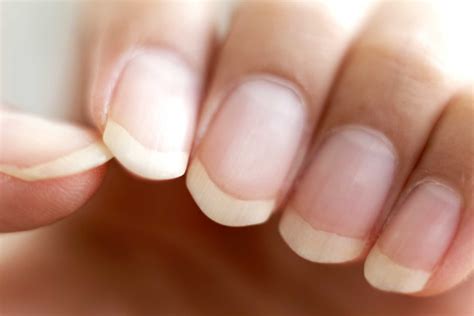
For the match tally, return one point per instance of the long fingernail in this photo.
(244, 158)
(340, 196)
(33, 148)
(152, 116)
(414, 240)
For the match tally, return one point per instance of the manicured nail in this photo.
(33, 148)
(152, 116)
(247, 152)
(340, 196)
(415, 239)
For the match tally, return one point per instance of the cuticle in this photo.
(433, 180)
(126, 58)
(368, 130)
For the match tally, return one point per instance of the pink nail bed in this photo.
(422, 228)
(247, 152)
(346, 185)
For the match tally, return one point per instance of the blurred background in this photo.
(41, 52)
(41, 56)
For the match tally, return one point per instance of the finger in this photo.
(427, 245)
(47, 169)
(389, 95)
(272, 78)
(149, 66)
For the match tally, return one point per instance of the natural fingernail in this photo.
(152, 116)
(32, 148)
(341, 195)
(415, 239)
(317, 245)
(247, 152)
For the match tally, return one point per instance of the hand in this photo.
(337, 125)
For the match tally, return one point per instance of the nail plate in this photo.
(415, 239)
(341, 195)
(317, 245)
(33, 148)
(247, 152)
(152, 115)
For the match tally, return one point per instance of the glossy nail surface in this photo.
(33, 148)
(415, 239)
(247, 152)
(341, 195)
(152, 115)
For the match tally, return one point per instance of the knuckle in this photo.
(411, 61)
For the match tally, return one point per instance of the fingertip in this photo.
(318, 245)
(221, 207)
(48, 169)
(30, 204)
(140, 160)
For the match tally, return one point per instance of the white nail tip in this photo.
(138, 159)
(316, 245)
(78, 161)
(384, 274)
(222, 207)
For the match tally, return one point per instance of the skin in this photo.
(142, 247)
(126, 253)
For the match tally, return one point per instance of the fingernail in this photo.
(414, 240)
(247, 152)
(152, 115)
(340, 196)
(317, 245)
(32, 148)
